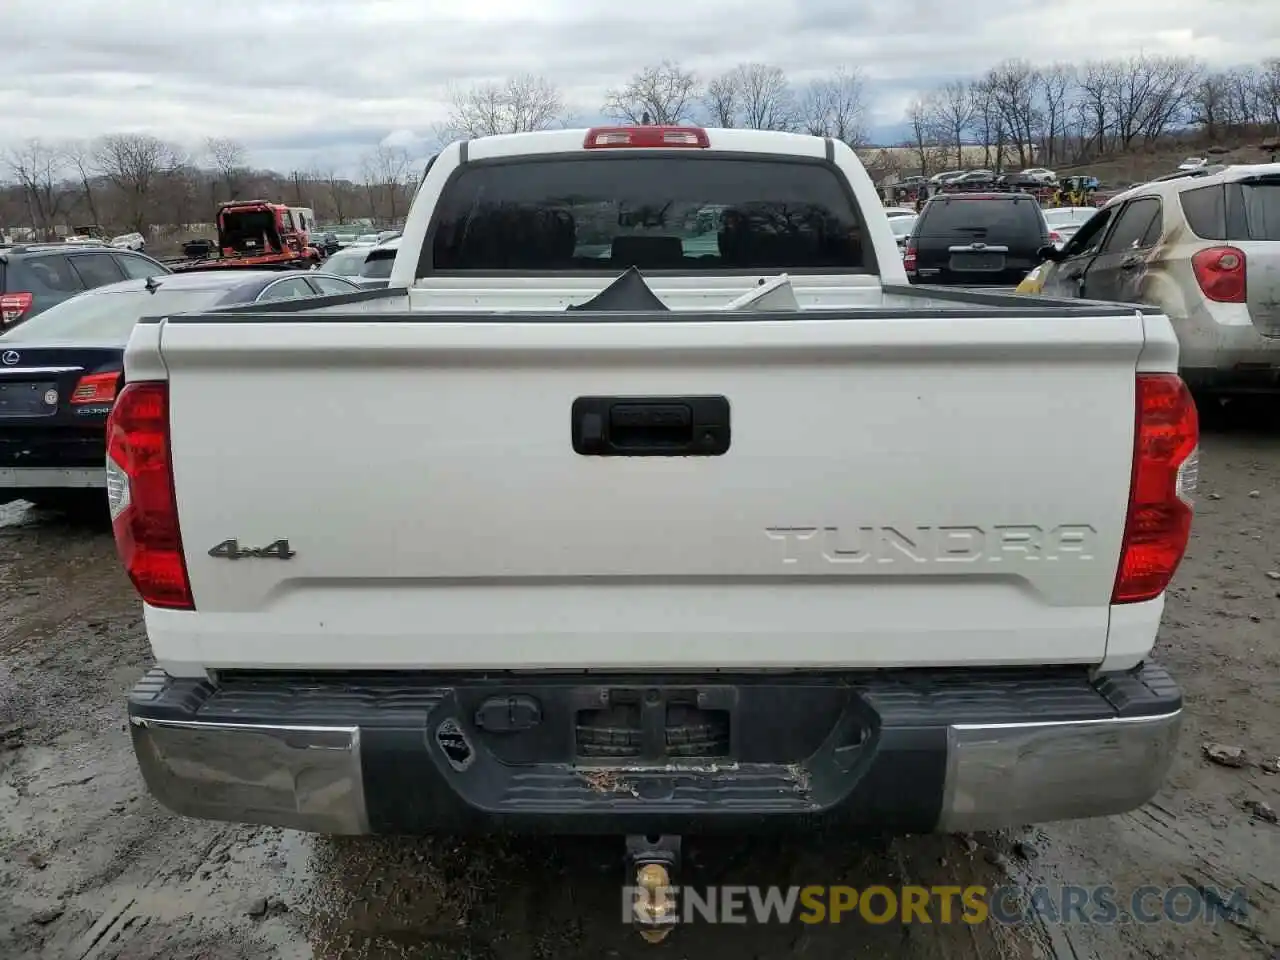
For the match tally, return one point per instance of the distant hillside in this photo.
(1119, 170)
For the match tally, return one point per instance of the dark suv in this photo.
(976, 239)
(33, 277)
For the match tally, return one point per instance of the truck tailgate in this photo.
(897, 490)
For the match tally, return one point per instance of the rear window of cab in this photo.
(606, 213)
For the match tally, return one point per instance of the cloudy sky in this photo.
(307, 83)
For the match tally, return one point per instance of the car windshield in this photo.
(653, 213)
(901, 226)
(346, 263)
(1064, 217)
(107, 318)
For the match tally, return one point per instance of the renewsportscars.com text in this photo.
(975, 904)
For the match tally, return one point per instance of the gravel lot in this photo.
(91, 867)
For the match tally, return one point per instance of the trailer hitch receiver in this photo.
(654, 861)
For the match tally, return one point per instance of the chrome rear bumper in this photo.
(304, 778)
(906, 770)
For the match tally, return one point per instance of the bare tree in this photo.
(720, 100)
(1097, 120)
(1148, 95)
(387, 169)
(80, 154)
(924, 135)
(835, 106)
(1056, 84)
(335, 191)
(953, 111)
(228, 157)
(1013, 85)
(661, 94)
(1246, 89)
(369, 179)
(1268, 89)
(180, 192)
(134, 164)
(766, 98)
(520, 105)
(37, 167)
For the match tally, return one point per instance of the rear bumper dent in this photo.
(913, 773)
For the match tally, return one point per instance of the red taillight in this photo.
(96, 388)
(599, 138)
(1165, 464)
(13, 306)
(909, 257)
(1055, 236)
(1221, 273)
(144, 510)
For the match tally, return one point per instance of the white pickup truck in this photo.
(650, 498)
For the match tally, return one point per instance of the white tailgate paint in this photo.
(423, 473)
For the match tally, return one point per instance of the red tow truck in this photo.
(257, 234)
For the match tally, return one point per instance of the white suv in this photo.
(129, 241)
(1204, 247)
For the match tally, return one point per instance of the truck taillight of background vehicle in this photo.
(909, 257)
(1222, 274)
(144, 509)
(96, 388)
(1165, 469)
(13, 306)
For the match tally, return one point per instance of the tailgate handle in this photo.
(650, 426)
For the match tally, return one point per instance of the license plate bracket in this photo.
(977, 262)
(28, 399)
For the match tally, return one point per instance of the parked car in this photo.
(326, 243)
(1193, 163)
(1065, 221)
(902, 227)
(377, 265)
(973, 176)
(34, 277)
(977, 239)
(1042, 174)
(1205, 249)
(896, 565)
(346, 262)
(367, 266)
(61, 370)
(199, 248)
(129, 241)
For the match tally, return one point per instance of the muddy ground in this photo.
(91, 867)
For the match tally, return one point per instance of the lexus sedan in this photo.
(60, 372)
